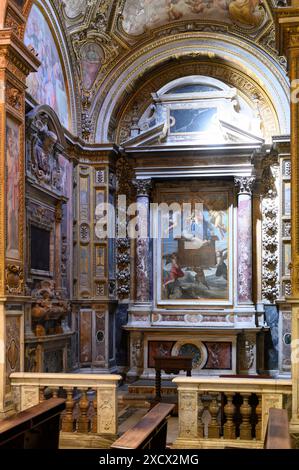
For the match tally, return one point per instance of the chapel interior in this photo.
(149, 213)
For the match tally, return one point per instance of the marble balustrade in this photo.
(91, 399)
(227, 412)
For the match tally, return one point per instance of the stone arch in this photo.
(134, 106)
(237, 54)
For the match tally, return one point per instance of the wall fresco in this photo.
(47, 86)
(13, 181)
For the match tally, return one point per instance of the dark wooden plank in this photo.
(175, 363)
(34, 415)
(136, 436)
(277, 434)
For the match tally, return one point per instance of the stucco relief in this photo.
(74, 8)
(142, 15)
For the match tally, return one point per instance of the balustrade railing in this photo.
(227, 412)
(91, 400)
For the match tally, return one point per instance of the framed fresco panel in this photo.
(194, 248)
(13, 183)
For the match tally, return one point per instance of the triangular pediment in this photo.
(159, 135)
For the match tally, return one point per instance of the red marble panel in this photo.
(219, 355)
(158, 348)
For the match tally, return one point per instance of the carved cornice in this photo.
(15, 56)
(287, 22)
(244, 184)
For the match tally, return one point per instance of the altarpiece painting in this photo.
(194, 247)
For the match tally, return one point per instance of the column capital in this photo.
(143, 187)
(244, 184)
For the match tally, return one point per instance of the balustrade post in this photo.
(269, 400)
(41, 394)
(214, 427)
(94, 427)
(229, 431)
(245, 410)
(188, 412)
(258, 413)
(67, 420)
(201, 426)
(83, 419)
(107, 410)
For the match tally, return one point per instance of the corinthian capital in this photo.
(244, 184)
(143, 187)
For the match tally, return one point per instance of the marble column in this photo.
(143, 273)
(244, 239)
(288, 45)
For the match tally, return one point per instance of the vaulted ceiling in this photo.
(100, 39)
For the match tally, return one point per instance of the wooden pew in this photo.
(170, 365)
(35, 428)
(277, 432)
(149, 433)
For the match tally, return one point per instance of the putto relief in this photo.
(141, 15)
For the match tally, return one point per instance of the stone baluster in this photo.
(55, 392)
(94, 426)
(41, 394)
(214, 427)
(200, 416)
(244, 185)
(258, 413)
(67, 420)
(246, 411)
(229, 431)
(83, 423)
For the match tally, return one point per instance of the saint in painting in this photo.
(195, 262)
(13, 180)
(91, 60)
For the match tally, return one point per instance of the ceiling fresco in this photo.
(104, 38)
(140, 15)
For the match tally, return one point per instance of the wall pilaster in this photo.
(16, 62)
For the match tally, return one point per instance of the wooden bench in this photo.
(149, 433)
(35, 428)
(277, 432)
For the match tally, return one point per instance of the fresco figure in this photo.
(91, 60)
(13, 180)
(246, 12)
(142, 15)
(47, 85)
